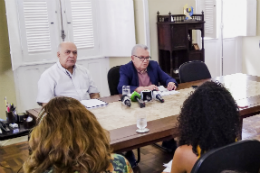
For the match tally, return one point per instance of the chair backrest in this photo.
(193, 70)
(113, 79)
(242, 156)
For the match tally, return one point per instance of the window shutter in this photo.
(209, 8)
(37, 27)
(37, 31)
(108, 30)
(98, 28)
(82, 23)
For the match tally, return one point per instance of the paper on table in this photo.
(93, 103)
(165, 92)
(168, 167)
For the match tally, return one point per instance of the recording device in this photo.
(135, 97)
(4, 127)
(146, 95)
(126, 100)
(157, 96)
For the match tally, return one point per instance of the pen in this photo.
(5, 102)
(7, 109)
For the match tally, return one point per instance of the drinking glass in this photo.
(126, 90)
(141, 122)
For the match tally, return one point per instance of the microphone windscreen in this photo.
(123, 97)
(135, 94)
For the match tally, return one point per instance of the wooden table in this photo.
(126, 138)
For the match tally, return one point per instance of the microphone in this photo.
(136, 97)
(126, 100)
(157, 96)
(146, 95)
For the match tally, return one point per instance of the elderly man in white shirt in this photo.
(65, 78)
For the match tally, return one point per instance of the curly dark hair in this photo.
(209, 118)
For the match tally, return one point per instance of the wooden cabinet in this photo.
(175, 41)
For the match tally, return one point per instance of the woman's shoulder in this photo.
(183, 159)
(120, 164)
(185, 152)
(185, 148)
(117, 157)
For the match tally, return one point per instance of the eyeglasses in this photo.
(143, 58)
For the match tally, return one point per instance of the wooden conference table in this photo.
(126, 138)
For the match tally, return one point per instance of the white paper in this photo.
(168, 166)
(162, 88)
(164, 92)
(167, 169)
(92, 103)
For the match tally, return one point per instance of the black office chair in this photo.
(193, 70)
(113, 79)
(242, 156)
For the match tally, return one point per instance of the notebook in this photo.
(93, 103)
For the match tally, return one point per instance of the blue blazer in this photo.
(128, 76)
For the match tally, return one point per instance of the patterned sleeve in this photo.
(128, 168)
(121, 164)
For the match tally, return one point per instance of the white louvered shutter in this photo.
(82, 23)
(79, 19)
(209, 8)
(38, 29)
(115, 34)
(98, 28)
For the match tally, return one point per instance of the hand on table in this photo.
(171, 86)
(150, 87)
(153, 87)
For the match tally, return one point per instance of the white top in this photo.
(57, 81)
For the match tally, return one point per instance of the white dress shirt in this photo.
(57, 81)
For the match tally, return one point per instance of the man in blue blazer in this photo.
(141, 73)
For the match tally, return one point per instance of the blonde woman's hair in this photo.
(68, 138)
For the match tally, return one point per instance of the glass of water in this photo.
(141, 123)
(126, 90)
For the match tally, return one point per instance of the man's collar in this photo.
(62, 68)
(142, 71)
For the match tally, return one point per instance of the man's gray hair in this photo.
(60, 45)
(142, 46)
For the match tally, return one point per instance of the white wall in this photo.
(251, 55)
(251, 50)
